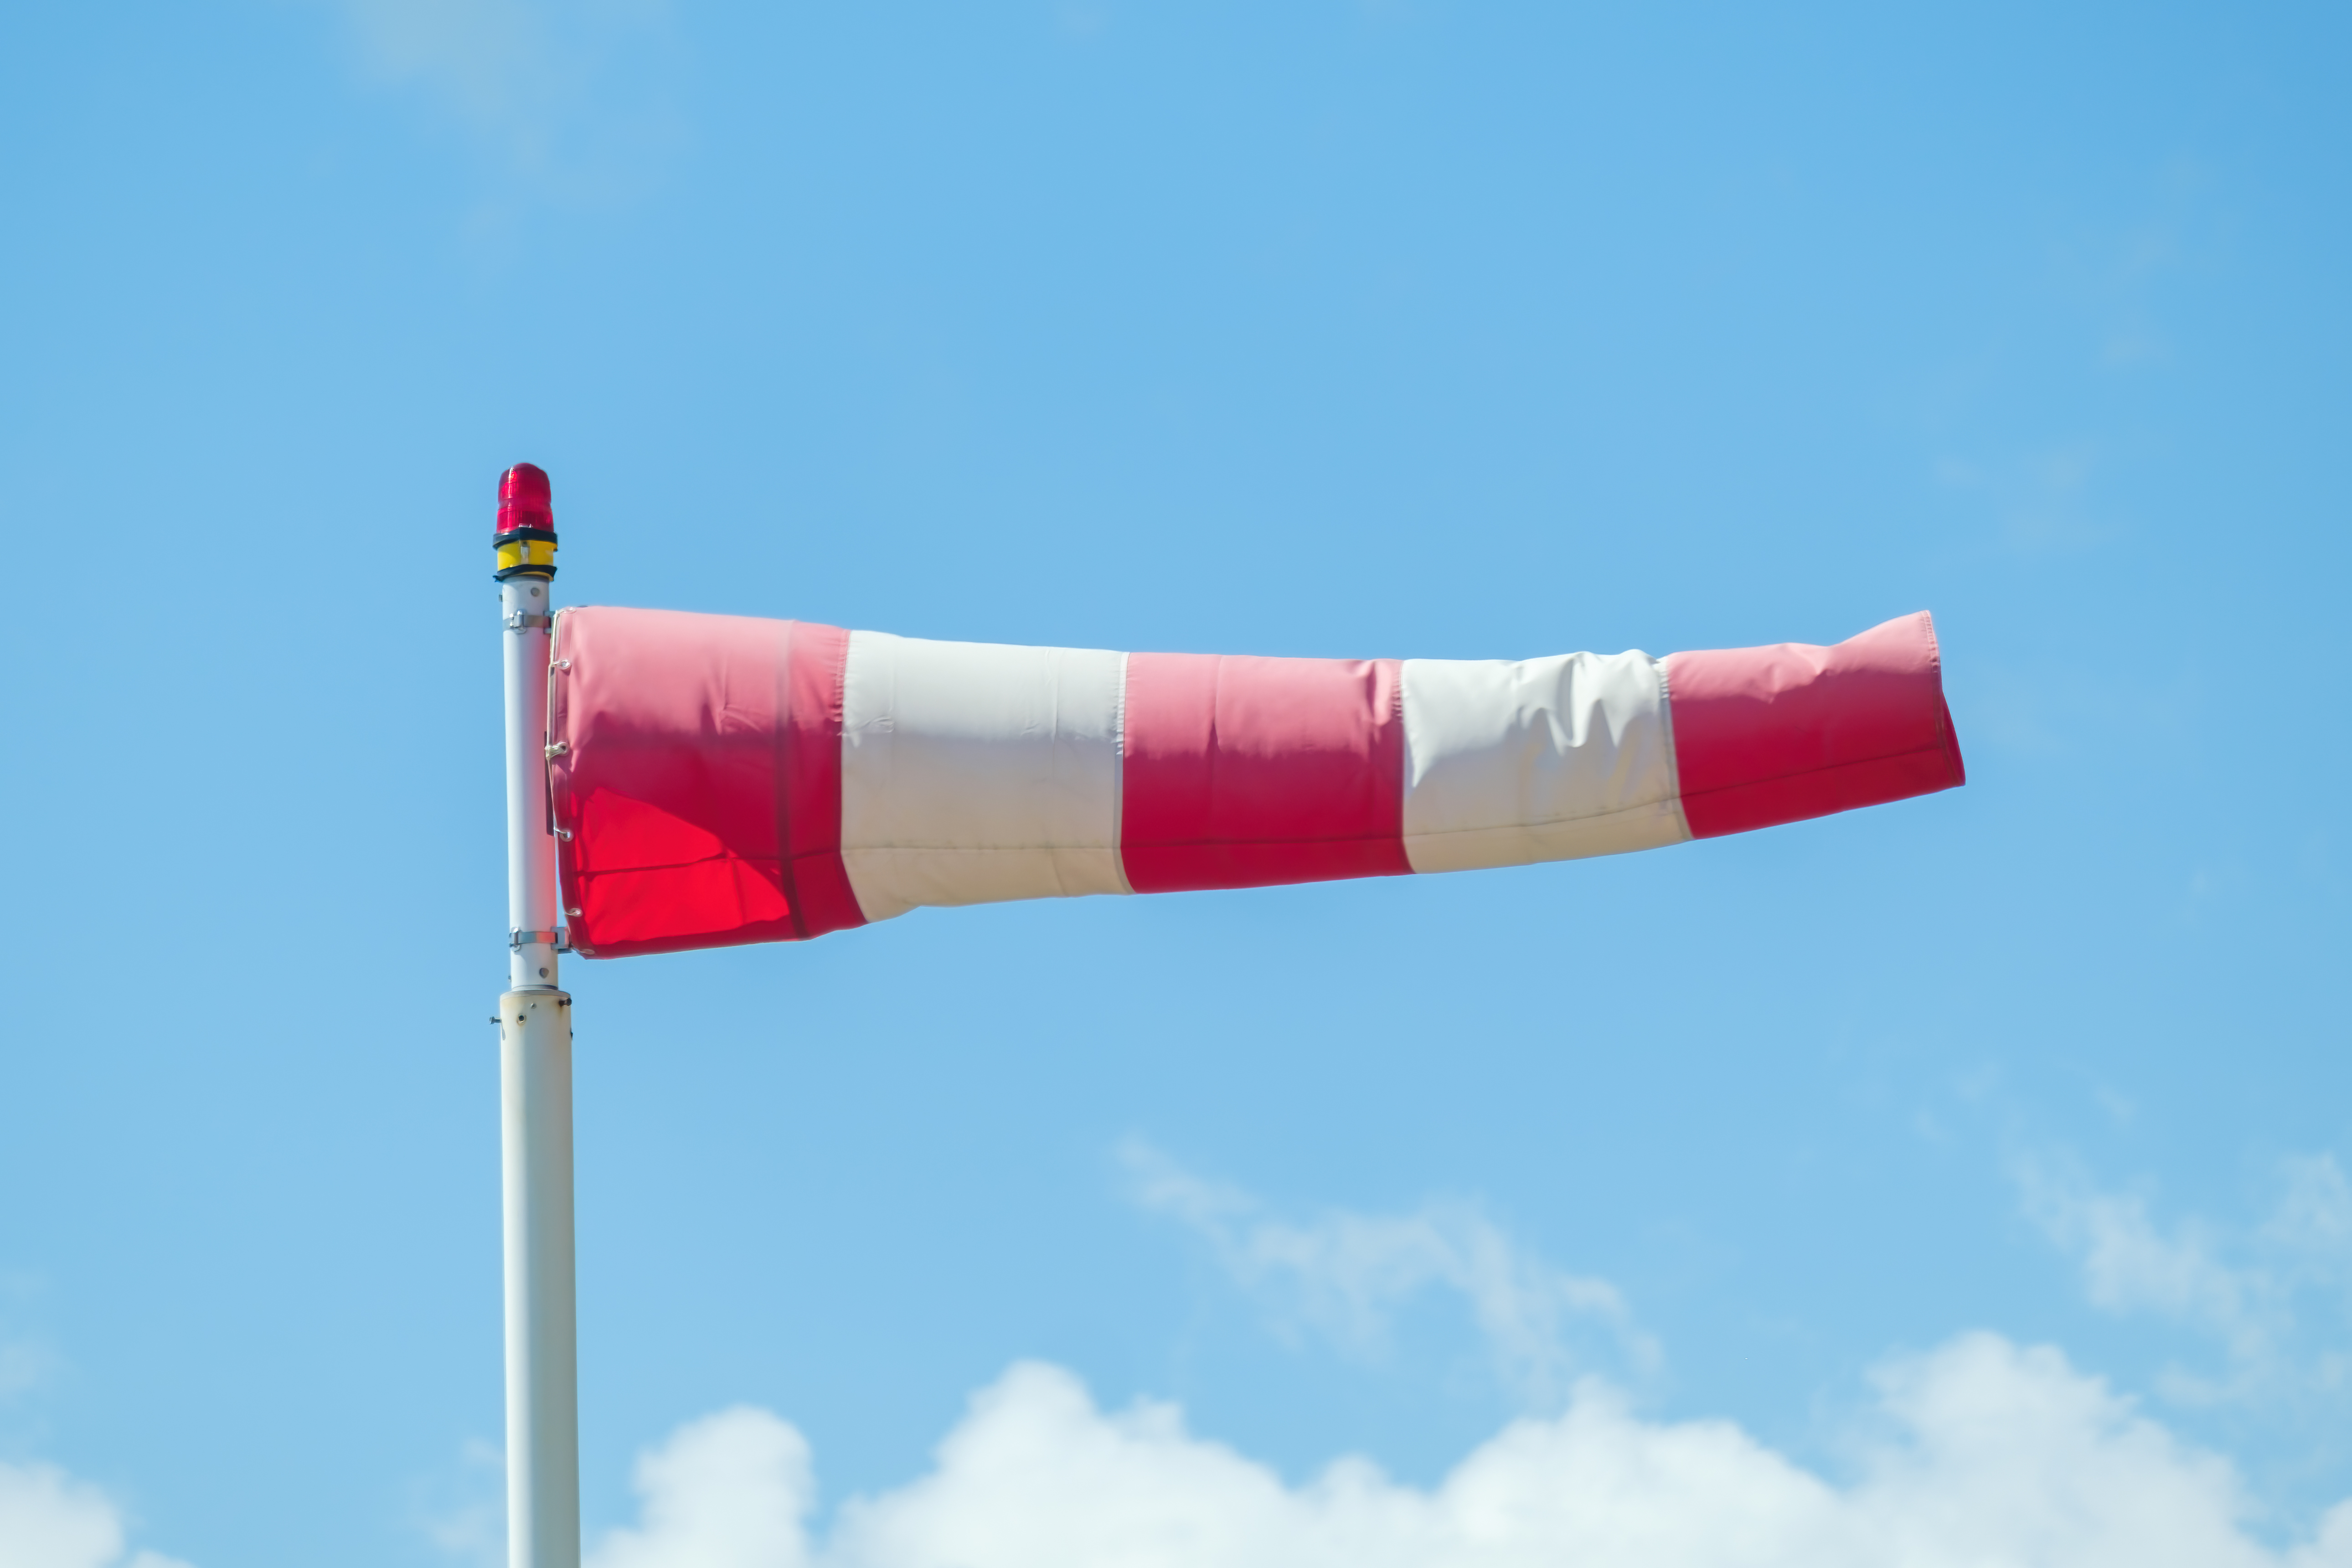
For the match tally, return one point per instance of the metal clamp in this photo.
(560, 749)
(522, 621)
(560, 939)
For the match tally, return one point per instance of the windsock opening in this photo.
(1769, 735)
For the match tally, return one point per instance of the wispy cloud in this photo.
(2042, 500)
(463, 1512)
(1985, 1453)
(2131, 1263)
(1347, 1274)
(25, 1365)
(2250, 1290)
(567, 94)
(27, 1360)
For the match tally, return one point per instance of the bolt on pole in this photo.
(535, 1067)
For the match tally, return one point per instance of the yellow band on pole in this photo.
(518, 553)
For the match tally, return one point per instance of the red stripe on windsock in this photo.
(699, 780)
(1242, 773)
(1768, 735)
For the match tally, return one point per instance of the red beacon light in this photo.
(526, 531)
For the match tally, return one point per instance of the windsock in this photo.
(716, 780)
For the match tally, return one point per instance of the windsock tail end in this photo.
(1769, 735)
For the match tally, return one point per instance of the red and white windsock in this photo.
(717, 780)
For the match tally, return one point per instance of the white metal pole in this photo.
(535, 1070)
(542, 1401)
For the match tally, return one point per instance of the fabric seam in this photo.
(1674, 757)
(1938, 750)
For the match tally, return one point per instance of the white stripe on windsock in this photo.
(1509, 763)
(974, 773)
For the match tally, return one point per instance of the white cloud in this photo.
(726, 1491)
(1984, 1454)
(1347, 1274)
(48, 1519)
(2249, 1289)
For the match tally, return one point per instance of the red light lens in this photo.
(524, 500)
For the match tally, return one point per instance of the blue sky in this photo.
(1977, 1163)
